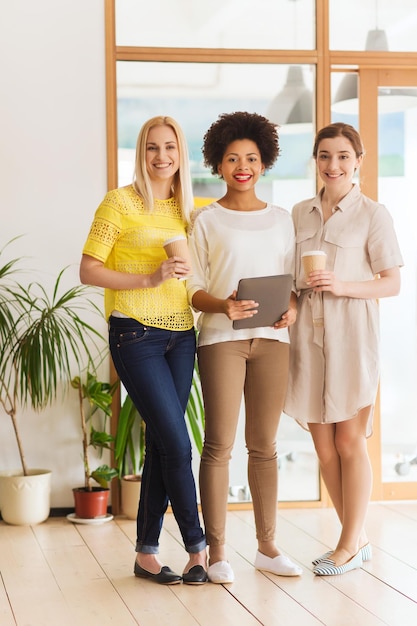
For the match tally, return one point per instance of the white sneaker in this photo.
(220, 572)
(280, 565)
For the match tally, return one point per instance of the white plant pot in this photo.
(130, 487)
(25, 500)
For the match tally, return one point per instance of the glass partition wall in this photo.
(194, 62)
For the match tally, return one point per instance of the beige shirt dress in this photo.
(334, 344)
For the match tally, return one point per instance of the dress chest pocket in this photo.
(306, 239)
(348, 255)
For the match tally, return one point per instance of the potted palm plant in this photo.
(129, 455)
(95, 399)
(42, 338)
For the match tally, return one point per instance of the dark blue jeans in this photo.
(156, 368)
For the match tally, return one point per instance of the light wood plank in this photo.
(83, 583)
(394, 557)
(280, 600)
(407, 508)
(209, 604)
(383, 583)
(6, 614)
(326, 603)
(148, 602)
(66, 574)
(33, 593)
(250, 590)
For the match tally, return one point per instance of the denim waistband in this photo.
(123, 321)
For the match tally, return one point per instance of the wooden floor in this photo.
(59, 573)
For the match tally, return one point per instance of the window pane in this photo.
(195, 94)
(396, 189)
(344, 97)
(264, 24)
(379, 25)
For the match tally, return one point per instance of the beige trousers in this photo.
(257, 368)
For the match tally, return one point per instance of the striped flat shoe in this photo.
(329, 568)
(366, 551)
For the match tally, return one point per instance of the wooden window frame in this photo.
(372, 67)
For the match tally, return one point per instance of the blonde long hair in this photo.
(181, 187)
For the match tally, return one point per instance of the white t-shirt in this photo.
(228, 245)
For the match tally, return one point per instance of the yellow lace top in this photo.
(127, 238)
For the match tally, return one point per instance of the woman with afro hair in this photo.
(236, 237)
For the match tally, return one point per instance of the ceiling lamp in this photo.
(390, 99)
(294, 103)
(292, 107)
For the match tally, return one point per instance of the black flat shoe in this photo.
(165, 577)
(197, 575)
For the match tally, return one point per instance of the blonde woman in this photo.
(151, 333)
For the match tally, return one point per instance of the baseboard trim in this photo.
(62, 511)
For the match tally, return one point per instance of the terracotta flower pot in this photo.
(90, 504)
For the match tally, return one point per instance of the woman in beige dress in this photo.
(334, 354)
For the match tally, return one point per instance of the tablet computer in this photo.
(273, 295)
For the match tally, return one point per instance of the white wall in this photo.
(53, 176)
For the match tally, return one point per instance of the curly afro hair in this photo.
(240, 125)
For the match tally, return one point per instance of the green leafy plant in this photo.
(42, 338)
(195, 410)
(95, 399)
(129, 447)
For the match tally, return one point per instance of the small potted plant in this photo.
(94, 399)
(129, 454)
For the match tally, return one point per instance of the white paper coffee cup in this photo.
(313, 260)
(178, 246)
